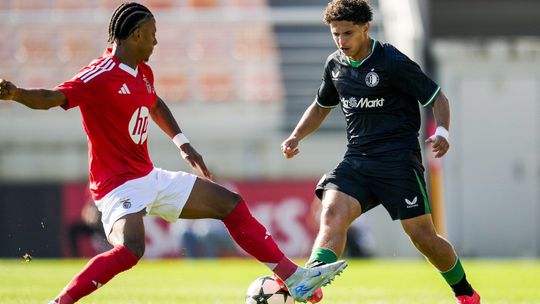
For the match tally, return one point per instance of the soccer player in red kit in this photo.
(116, 97)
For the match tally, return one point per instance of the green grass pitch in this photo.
(224, 281)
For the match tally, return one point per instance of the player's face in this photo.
(352, 39)
(147, 38)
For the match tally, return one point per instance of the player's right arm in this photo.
(327, 99)
(40, 99)
(311, 120)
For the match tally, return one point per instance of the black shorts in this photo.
(395, 180)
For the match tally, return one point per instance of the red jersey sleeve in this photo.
(77, 93)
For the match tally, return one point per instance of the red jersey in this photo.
(114, 101)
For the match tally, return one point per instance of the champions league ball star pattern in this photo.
(265, 290)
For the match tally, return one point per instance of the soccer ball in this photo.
(265, 290)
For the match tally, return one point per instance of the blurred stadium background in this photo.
(238, 74)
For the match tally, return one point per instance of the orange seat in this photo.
(36, 44)
(248, 3)
(215, 84)
(4, 5)
(108, 4)
(260, 83)
(30, 4)
(210, 42)
(73, 4)
(203, 3)
(151, 4)
(78, 45)
(172, 82)
(255, 41)
(172, 45)
(40, 76)
(6, 48)
(159, 4)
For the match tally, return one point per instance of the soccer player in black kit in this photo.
(378, 89)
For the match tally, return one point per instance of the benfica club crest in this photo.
(148, 86)
(126, 204)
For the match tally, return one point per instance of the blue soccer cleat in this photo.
(316, 298)
(303, 283)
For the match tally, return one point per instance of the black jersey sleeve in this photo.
(327, 95)
(406, 76)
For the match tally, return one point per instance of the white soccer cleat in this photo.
(303, 283)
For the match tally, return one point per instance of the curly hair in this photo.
(355, 11)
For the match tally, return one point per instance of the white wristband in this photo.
(180, 139)
(441, 131)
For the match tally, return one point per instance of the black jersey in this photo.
(379, 98)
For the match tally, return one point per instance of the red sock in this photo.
(255, 240)
(98, 271)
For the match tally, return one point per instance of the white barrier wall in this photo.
(492, 172)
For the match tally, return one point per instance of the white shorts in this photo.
(161, 192)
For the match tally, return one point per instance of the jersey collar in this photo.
(132, 72)
(128, 69)
(355, 64)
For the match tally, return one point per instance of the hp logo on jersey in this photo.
(138, 125)
(372, 79)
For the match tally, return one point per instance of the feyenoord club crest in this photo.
(372, 79)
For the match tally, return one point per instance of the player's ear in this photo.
(365, 27)
(136, 33)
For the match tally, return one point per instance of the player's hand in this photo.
(7, 90)
(194, 159)
(439, 145)
(289, 147)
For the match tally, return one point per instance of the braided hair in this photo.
(127, 17)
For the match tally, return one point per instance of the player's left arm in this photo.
(162, 116)
(441, 112)
(407, 76)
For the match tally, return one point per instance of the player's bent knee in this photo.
(136, 247)
(236, 198)
(334, 216)
(230, 204)
(221, 206)
(423, 241)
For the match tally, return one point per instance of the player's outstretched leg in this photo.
(208, 199)
(303, 283)
(254, 239)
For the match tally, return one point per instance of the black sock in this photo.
(314, 263)
(321, 256)
(462, 288)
